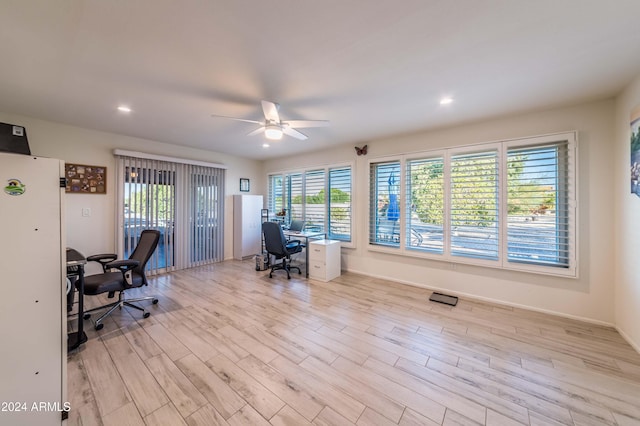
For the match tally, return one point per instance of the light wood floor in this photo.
(228, 345)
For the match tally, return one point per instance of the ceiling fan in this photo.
(273, 127)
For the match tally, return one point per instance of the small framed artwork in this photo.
(635, 151)
(83, 179)
(244, 185)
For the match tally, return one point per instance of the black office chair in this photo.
(129, 274)
(278, 246)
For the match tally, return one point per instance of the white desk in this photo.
(306, 235)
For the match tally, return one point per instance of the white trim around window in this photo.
(510, 204)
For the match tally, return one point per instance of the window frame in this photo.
(502, 261)
(326, 169)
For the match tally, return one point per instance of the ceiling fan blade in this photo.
(256, 131)
(294, 133)
(299, 124)
(271, 111)
(237, 119)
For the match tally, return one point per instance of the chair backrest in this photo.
(144, 250)
(274, 239)
(296, 225)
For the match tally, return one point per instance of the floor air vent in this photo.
(444, 298)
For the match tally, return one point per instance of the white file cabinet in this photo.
(324, 259)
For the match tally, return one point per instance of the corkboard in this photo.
(84, 179)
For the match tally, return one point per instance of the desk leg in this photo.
(74, 340)
(306, 257)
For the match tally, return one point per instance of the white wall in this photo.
(627, 223)
(588, 297)
(96, 234)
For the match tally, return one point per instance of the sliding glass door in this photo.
(184, 202)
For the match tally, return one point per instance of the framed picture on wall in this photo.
(85, 179)
(635, 150)
(244, 185)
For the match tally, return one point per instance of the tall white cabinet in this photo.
(247, 226)
(33, 322)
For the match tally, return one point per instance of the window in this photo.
(315, 203)
(474, 205)
(294, 199)
(538, 202)
(340, 203)
(507, 205)
(185, 202)
(303, 195)
(385, 204)
(276, 193)
(425, 197)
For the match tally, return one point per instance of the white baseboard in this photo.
(491, 300)
(633, 344)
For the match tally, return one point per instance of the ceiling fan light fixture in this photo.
(273, 133)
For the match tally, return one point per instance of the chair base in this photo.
(119, 304)
(285, 267)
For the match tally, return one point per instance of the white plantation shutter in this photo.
(275, 196)
(540, 204)
(315, 200)
(510, 204)
(425, 206)
(295, 200)
(384, 210)
(340, 203)
(305, 196)
(474, 219)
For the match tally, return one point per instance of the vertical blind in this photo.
(184, 202)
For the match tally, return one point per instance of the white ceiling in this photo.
(373, 68)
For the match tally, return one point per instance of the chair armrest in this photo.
(107, 257)
(293, 244)
(123, 265)
(102, 259)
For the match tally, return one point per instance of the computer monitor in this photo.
(13, 139)
(296, 225)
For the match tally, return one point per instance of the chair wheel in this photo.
(154, 301)
(99, 326)
(146, 315)
(86, 316)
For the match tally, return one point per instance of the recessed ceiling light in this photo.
(265, 145)
(125, 109)
(446, 100)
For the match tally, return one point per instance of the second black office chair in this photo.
(129, 274)
(277, 245)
